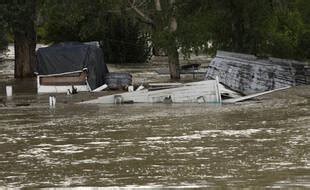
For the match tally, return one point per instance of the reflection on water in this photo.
(254, 144)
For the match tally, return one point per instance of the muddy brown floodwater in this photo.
(257, 144)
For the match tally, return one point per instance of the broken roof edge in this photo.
(73, 43)
(60, 74)
(221, 53)
(251, 57)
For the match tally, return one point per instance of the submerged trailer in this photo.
(196, 92)
(65, 66)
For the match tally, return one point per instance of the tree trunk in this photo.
(25, 42)
(172, 51)
(158, 27)
(24, 56)
(174, 65)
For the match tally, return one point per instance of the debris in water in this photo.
(249, 74)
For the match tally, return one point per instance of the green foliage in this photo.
(279, 28)
(68, 20)
(17, 17)
(3, 27)
(124, 42)
(303, 43)
(3, 39)
(21, 14)
(262, 27)
(284, 35)
(104, 21)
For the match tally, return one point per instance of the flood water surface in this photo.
(169, 145)
(264, 143)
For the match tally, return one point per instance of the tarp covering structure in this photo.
(72, 57)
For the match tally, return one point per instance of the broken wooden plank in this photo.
(240, 99)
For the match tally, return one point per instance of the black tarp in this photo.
(70, 57)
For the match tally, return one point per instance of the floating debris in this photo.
(249, 74)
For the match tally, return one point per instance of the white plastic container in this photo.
(52, 101)
(130, 89)
(9, 91)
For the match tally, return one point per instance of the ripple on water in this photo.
(68, 149)
(172, 145)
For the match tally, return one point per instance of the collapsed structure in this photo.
(249, 74)
(241, 73)
(195, 92)
(64, 66)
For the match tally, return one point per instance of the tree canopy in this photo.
(3, 26)
(107, 21)
(261, 27)
(128, 29)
